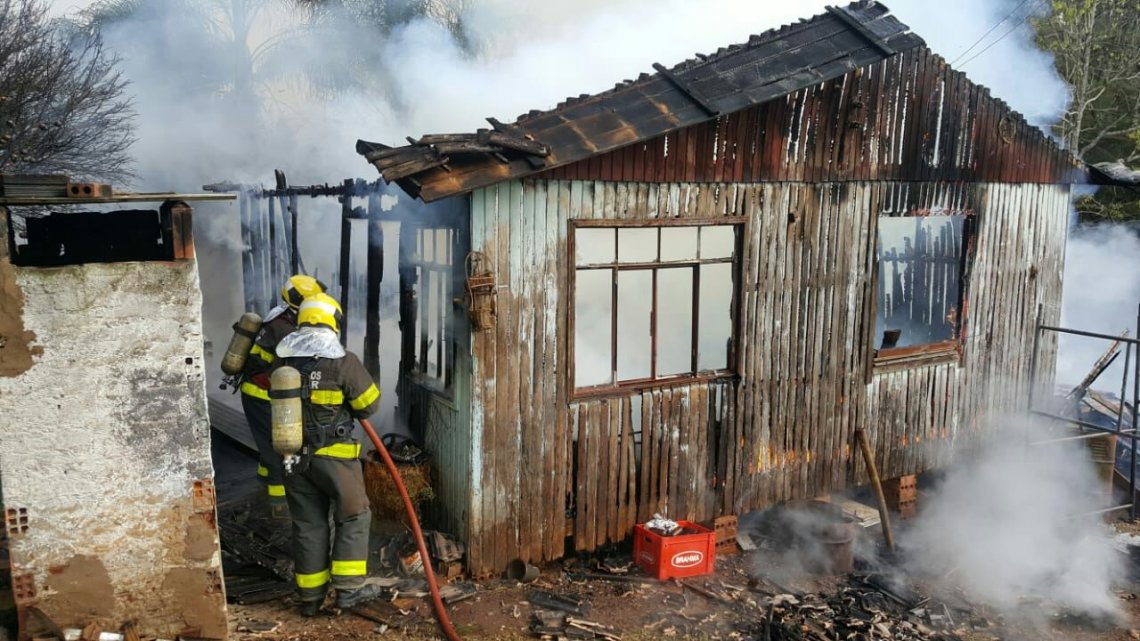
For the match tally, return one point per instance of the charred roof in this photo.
(767, 66)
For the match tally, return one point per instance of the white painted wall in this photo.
(104, 440)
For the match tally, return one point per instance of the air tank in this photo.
(245, 332)
(285, 404)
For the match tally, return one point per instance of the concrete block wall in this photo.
(105, 453)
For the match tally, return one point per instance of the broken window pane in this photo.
(919, 264)
(718, 241)
(593, 246)
(593, 318)
(715, 321)
(635, 307)
(678, 243)
(637, 245)
(674, 321)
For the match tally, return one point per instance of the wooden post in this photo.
(873, 472)
(266, 299)
(374, 279)
(274, 266)
(249, 289)
(345, 252)
(294, 253)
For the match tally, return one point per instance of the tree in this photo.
(63, 107)
(1095, 43)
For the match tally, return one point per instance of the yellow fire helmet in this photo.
(300, 287)
(320, 310)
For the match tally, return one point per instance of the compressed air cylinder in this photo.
(245, 332)
(285, 403)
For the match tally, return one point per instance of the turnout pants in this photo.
(270, 468)
(336, 483)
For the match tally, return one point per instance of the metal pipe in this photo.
(429, 573)
(1095, 512)
(1079, 437)
(1135, 406)
(877, 485)
(1078, 332)
(1075, 421)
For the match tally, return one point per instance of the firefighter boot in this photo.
(309, 609)
(346, 599)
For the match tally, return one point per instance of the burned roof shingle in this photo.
(767, 66)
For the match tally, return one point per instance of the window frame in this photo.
(741, 226)
(421, 268)
(951, 350)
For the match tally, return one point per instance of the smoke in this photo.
(1102, 291)
(231, 89)
(1004, 527)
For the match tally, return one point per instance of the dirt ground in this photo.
(500, 611)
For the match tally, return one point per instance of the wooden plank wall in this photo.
(783, 429)
(910, 117)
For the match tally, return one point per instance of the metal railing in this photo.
(1131, 360)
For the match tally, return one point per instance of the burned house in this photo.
(683, 295)
(107, 483)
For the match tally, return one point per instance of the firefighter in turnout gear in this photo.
(278, 323)
(335, 389)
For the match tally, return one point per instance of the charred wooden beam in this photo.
(687, 89)
(407, 169)
(345, 251)
(860, 28)
(372, 296)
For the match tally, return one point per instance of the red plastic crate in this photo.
(668, 557)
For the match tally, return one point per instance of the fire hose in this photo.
(436, 600)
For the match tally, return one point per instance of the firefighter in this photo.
(277, 324)
(335, 389)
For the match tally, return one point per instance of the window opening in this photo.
(654, 302)
(434, 342)
(919, 298)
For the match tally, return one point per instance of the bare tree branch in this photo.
(63, 108)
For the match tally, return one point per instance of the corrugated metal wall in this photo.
(784, 428)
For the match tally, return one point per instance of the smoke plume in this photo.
(1102, 291)
(1004, 527)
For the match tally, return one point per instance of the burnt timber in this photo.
(806, 138)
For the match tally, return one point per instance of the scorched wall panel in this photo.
(547, 465)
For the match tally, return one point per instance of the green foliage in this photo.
(1095, 45)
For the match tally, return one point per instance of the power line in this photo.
(1032, 9)
(992, 29)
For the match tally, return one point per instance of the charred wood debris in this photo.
(734, 603)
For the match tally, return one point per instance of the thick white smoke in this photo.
(1005, 526)
(1102, 291)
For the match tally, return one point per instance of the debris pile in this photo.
(556, 626)
(557, 616)
(855, 611)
